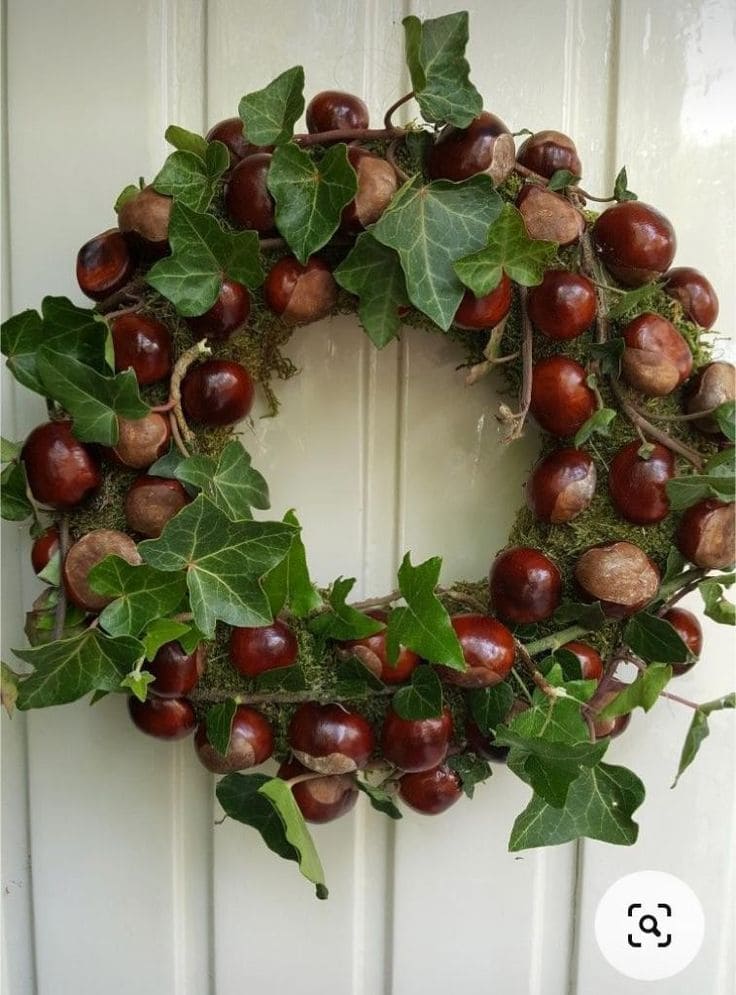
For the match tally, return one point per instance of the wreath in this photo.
(163, 586)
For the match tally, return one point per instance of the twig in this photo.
(349, 135)
(119, 312)
(176, 436)
(119, 297)
(388, 116)
(60, 612)
(557, 639)
(691, 584)
(491, 354)
(391, 158)
(271, 243)
(182, 365)
(517, 419)
(589, 196)
(529, 174)
(640, 421)
(536, 675)
(283, 698)
(379, 602)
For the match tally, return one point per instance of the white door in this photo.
(115, 877)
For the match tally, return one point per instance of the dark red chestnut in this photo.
(525, 585)
(591, 664)
(151, 502)
(142, 344)
(164, 718)
(487, 311)
(300, 294)
(330, 739)
(416, 744)
(619, 575)
(547, 151)
(485, 146)
(561, 486)
(706, 535)
(638, 486)
(104, 265)
(688, 628)
(635, 242)
(377, 183)
(656, 359)
(141, 441)
(561, 400)
(254, 651)
(61, 470)
(251, 743)
(44, 548)
(144, 218)
(715, 384)
(248, 203)
(695, 293)
(488, 649)
(86, 553)
(334, 110)
(230, 133)
(430, 791)
(320, 799)
(176, 672)
(563, 306)
(549, 216)
(229, 312)
(217, 392)
(372, 653)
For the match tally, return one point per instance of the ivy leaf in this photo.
(674, 565)
(51, 573)
(620, 187)
(608, 355)
(202, 254)
(14, 503)
(8, 688)
(633, 300)
(141, 593)
(138, 681)
(589, 615)
(186, 141)
(310, 195)
(282, 679)
(126, 194)
(431, 226)
(725, 415)
(642, 693)
(683, 492)
(289, 582)
(232, 484)
(509, 250)
(490, 706)
(654, 639)
(343, 622)
(600, 804)
(68, 669)
(167, 465)
(9, 451)
(716, 604)
(699, 730)
(164, 630)
(269, 115)
(435, 55)
(557, 720)
(355, 680)
(380, 799)
(423, 625)
(422, 699)
(568, 663)
(192, 178)
(267, 804)
(561, 179)
(373, 273)
(470, 769)
(219, 724)
(224, 562)
(599, 423)
(723, 464)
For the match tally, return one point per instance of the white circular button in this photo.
(649, 925)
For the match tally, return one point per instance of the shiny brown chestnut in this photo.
(548, 216)
(545, 152)
(151, 502)
(104, 265)
(705, 535)
(485, 146)
(618, 574)
(695, 293)
(163, 718)
(329, 739)
(143, 345)
(335, 110)
(488, 650)
(561, 486)
(300, 294)
(591, 663)
(141, 441)
(230, 311)
(251, 743)
(248, 204)
(525, 585)
(416, 744)
(638, 486)
(486, 311)
(635, 242)
(372, 653)
(561, 399)
(217, 392)
(61, 470)
(230, 132)
(430, 792)
(256, 650)
(377, 183)
(688, 628)
(44, 548)
(563, 306)
(176, 672)
(144, 218)
(85, 554)
(656, 358)
(320, 799)
(715, 384)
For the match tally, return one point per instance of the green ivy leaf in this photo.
(435, 55)
(589, 615)
(141, 593)
(633, 301)
(40, 622)
(674, 565)
(231, 483)
(490, 706)
(422, 698)
(599, 423)
(191, 178)
(470, 769)
(423, 625)
(68, 669)
(355, 680)
(642, 693)
(167, 465)
(608, 356)
(51, 573)
(509, 250)
(282, 679)
(725, 415)
(561, 179)
(9, 451)
(620, 187)
(202, 254)
(138, 681)
(431, 226)
(568, 663)
(219, 724)
(126, 194)
(8, 688)
(343, 622)
(14, 503)
(373, 273)
(723, 464)
(683, 492)
(289, 582)
(269, 115)
(165, 630)
(380, 799)
(700, 730)
(716, 604)
(654, 639)
(186, 141)
(600, 804)
(224, 562)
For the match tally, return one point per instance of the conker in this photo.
(487, 311)
(255, 650)
(656, 358)
(151, 502)
(104, 265)
(561, 486)
(525, 585)
(164, 718)
(248, 203)
(141, 441)
(230, 132)
(619, 575)
(547, 151)
(638, 486)
(217, 392)
(695, 293)
(563, 306)
(230, 311)
(688, 628)
(320, 799)
(618, 723)
(416, 744)
(144, 218)
(377, 184)
(705, 536)
(715, 384)
(485, 146)
(143, 345)
(251, 743)
(176, 671)
(591, 663)
(548, 216)
(85, 554)
(488, 650)
(371, 651)
(561, 399)
(430, 792)
(635, 242)
(300, 294)
(330, 739)
(61, 470)
(334, 110)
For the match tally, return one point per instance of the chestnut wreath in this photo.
(163, 586)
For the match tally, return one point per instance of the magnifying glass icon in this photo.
(649, 924)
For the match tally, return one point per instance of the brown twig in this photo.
(60, 612)
(119, 297)
(280, 698)
(271, 243)
(379, 602)
(529, 174)
(176, 436)
(349, 135)
(183, 363)
(536, 675)
(388, 116)
(518, 418)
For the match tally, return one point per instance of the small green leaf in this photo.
(674, 566)
(9, 451)
(355, 680)
(280, 795)
(589, 615)
(654, 639)
(14, 503)
(725, 415)
(568, 663)
(138, 681)
(289, 582)
(717, 605)
(8, 688)
(633, 301)
(124, 196)
(219, 724)
(51, 573)
(490, 706)
(167, 465)
(373, 273)
(470, 769)
(422, 699)
(161, 631)
(561, 179)
(140, 592)
(423, 625)
(683, 492)
(723, 464)
(608, 355)
(699, 730)
(191, 179)
(232, 484)
(282, 679)
(186, 141)
(343, 622)
(642, 693)
(269, 115)
(598, 423)
(621, 191)
(380, 799)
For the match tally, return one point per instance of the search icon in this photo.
(653, 928)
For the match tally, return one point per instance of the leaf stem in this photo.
(679, 700)
(60, 612)
(556, 640)
(688, 582)
(388, 116)
(536, 675)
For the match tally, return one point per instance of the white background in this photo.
(132, 888)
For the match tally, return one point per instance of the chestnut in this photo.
(164, 718)
(656, 358)
(416, 744)
(230, 311)
(485, 146)
(61, 470)
(688, 628)
(248, 204)
(230, 132)
(143, 345)
(547, 151)
(638, 486)
(320, 799)
(430, 792)
(561, 486)
(300, 294)
(635, 242)
(256, 650)
(251, 743)
(610, 727)
(525, 585)
(141, 441)
(591, 663)
(217, 392)
(705, 536)
(563, 306)
(371, 651)
(44, 548)
(176, 672)
(330, 739)
(561, 399)
(695, 293)
(104, 265)
(548, 216)
(488, 650)
(619, 575)
(151, 502)
(144, 218)
(85, 554)
(715, 384)
(335, 110)
(377, 183)
(486, 311)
